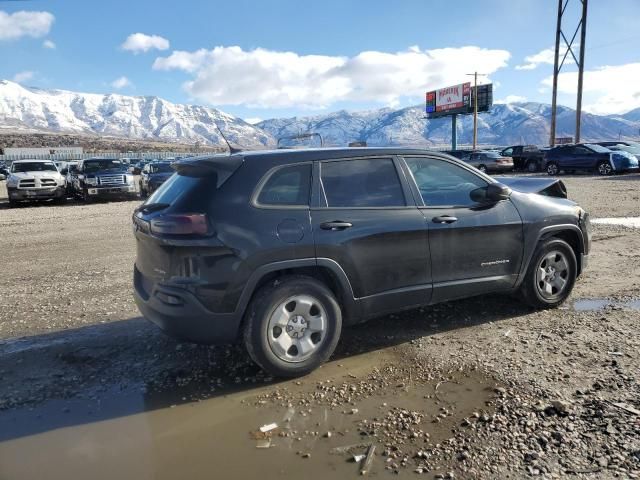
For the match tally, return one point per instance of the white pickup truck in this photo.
(35, 180)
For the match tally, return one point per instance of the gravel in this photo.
(562, 384)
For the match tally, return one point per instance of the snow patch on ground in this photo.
(630, 222)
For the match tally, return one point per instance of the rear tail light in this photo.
(180, 224)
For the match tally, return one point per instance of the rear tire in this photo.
(482, 168)
(292, 326)
(551, 274)
(552, 169)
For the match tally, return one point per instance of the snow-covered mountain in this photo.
(152, 118)
(148, 118)
(505, 124)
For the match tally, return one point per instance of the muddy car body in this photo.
(282, 248)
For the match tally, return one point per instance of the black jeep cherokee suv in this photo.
(283, 248)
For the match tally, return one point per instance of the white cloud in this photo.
(120, 83)
(49, 44)
(139, 42)
(253, 120)
(266, 78)
(613, 88)
(24, 24)
(545, 56)
(22, 77)
(512, 99)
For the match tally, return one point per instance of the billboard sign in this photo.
(457, 99)
(451, 98)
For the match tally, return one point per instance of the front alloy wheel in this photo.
(551, 274)
(604, 168)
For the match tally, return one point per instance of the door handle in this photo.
(335, 225)
(444, 219)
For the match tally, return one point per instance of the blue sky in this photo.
(341, 54)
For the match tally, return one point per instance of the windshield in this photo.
(97, 165)
(598, 148)
(161, 168)
(635, 149)
(33, 167)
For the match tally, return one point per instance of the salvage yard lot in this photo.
(87, 385)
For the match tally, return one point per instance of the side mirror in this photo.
(494, 192)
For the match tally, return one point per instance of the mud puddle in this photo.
(594, 304)
(358, 400)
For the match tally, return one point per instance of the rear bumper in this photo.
(181, 315)
(507, 167)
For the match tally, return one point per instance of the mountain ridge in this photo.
(134, 117)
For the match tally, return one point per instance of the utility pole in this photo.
(583, 38)
(475, 107)
(558, 64)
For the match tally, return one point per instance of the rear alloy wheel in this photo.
(292, 326)
(551, 274)
(482, 168)
(552, 168)
(604, 168)
(532, 166)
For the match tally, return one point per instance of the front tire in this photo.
(551, 274)
(292, 326)
(604, 168)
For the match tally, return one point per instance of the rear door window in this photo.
(289, 185)
(371, 182)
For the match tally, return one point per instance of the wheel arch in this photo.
(324, 270)
(570, 234)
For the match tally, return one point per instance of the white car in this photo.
(35, 180)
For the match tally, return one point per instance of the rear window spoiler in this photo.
(223, 166)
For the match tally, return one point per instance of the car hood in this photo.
(551, 187)
(29, 175)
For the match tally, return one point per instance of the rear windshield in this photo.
(185, 192)
(34, 167)
(598, 148)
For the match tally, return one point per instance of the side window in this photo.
(581, 150)
(370, 182)
(442, 183)
(287, 186)
(507, 152)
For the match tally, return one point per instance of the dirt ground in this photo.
(479, 388)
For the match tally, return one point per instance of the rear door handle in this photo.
(444, 219)
(335, 225)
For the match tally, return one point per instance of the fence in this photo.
(66, 157)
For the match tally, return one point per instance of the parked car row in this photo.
(89, 179)
(484, 160)
(592, 157)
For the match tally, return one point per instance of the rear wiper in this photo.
(152, 207)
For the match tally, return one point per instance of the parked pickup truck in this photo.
(34, 180)
(102, 178)
(525, 157)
